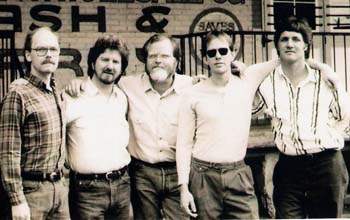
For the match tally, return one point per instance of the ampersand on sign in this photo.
(154, 25)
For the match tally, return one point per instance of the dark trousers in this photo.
(155, 191)
(223, 190)
(100, 198)
(310, 186)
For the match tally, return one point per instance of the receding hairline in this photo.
(44, 29)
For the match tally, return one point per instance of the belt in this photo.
(165, 164)
(313, 156)
(112, 175)
(41, 176)
(224, 165)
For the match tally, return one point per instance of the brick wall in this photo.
(120, 18)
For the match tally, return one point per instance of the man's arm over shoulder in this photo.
(256, 73)
(11, 120)
(129, 82)
(185, 81)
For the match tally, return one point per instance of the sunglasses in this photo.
(222, 51)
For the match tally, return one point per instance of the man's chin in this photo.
(107, 82)
(47, 71)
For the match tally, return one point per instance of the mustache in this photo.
(108, 71)
(48, 61)
(161, 67)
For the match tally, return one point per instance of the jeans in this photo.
(311, 186)
(155, 191)
(100, 199)
(46, 200)
(223, 190)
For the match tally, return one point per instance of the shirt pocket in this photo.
(140, 127)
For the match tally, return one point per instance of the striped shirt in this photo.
(32, 134)
(307, 118)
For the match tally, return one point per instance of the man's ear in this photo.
(233, 54)
(27, 55)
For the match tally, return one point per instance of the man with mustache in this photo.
(153, 104)
(32, 137)
(97, 137)
(153, 98)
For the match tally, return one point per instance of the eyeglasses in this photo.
(222, 51)
(42, 51)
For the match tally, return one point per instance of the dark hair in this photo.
(103, 43)
(28, 44)
(217, 34)
(159, 37)
(295, 25)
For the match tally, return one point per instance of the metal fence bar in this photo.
(326, 48)
(10, 66)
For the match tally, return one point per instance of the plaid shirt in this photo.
(32, 134)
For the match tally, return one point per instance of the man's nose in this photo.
(109, 65)
(218, 55)
(49, 53)
(158, 58)
(290, 43)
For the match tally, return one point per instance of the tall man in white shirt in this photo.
(310, 177)
(98, 135)
(214, 121)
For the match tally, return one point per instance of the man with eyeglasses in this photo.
(32, 137)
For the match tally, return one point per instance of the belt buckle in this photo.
(108, 175)
(54, 176)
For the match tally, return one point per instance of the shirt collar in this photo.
(311, 73)
(92, 90)
(36, 81)
(147, 86)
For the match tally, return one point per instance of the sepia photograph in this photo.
(174, 109)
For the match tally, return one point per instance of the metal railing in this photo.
(10, 66)
(257, 46)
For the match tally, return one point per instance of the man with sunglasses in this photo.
(213, 130)
(32, 137)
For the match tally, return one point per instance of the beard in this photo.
(159, 74)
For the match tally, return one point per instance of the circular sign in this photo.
(215, 19)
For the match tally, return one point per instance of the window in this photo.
(298, 8)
